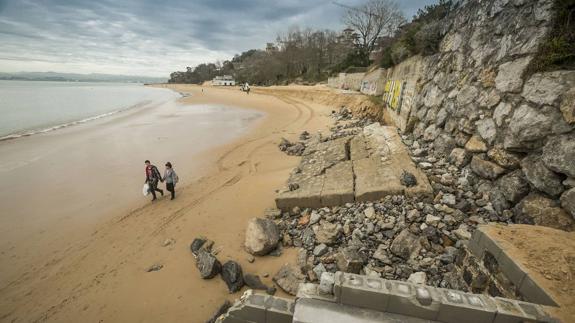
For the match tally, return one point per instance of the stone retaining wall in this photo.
(476, 103)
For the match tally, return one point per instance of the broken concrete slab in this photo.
(365, 167)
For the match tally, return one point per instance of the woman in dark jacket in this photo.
(152, 178)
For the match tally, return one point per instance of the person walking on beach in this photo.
(171, 179)
(152, 177)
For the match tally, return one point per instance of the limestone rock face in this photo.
(459, 157)
(501, 112)
(406, 245)
(487, 130)
(539, 210)
(475, 145)
(503, 158)
(559, 154)
(527, 125)
(510, 75)
(288, 278)
(326, 232)
(262, 236)
(513, 186)
(568, 106)
(431, 133)
(568, 201)
(485, 169)
(444, 144)
(540, 176)
(546, 88)
(434, 97)
(467, 95)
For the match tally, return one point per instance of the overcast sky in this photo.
(150, 37)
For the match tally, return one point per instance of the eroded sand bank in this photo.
(96, 270)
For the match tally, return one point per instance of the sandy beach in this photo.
(68, 256)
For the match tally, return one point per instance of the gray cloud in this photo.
(150, 37)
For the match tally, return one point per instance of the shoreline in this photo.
(99, 273)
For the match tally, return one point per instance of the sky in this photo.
(151, 37)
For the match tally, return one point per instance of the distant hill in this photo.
(71, 77)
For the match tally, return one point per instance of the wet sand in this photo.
(92, 266)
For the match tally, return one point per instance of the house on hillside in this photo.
(226, 80)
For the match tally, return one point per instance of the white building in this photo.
(226, 80)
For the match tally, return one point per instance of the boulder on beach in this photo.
(201, 243)
(262, 236)
(233, 276)
(208, 265)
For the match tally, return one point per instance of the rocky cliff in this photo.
(478, 104)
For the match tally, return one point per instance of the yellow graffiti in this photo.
(392, 94)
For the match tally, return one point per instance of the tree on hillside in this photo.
(371, 21)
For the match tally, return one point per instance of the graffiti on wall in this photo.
(392, 94)
(369, 87)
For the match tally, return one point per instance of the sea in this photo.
(32, 107)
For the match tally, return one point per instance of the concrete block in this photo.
(476, 250)
(311, 290)
(511, 269)
(413, 300)
(534, 293)
(365, 292)
(535, 311)
(251, 309)
(474, 245)
(461, 307)
(337, 286)
(490, 245)
(315, 311)
(279, 310)
(509, 311)
(232, 319)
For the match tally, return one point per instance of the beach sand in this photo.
(62, 265)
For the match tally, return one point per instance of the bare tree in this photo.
(372, 20)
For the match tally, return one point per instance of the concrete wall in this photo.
(352, 81)
(412, 301)
(373, 83)
(336, 81)
(486, 267)
(407, 74)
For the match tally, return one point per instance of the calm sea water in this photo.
(28, 107)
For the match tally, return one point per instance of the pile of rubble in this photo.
(399, 237)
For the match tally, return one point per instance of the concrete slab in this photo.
(418, 301)
(365, 167)
(279, 310)
(365, 292)
(509, 311)
(338, 185)
(316, 311)
(358, 148)
(461, 307)
(533, 293)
